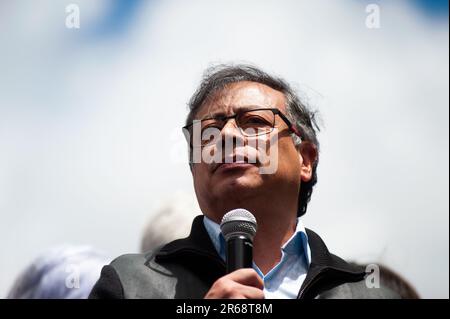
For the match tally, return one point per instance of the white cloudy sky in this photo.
(85, 160)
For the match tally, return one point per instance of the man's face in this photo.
(222, 187)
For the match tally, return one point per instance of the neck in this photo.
(275, 227)
(277, 220)
(269, 240)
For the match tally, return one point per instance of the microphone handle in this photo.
(239, 253)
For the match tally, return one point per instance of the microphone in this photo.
(239, 226)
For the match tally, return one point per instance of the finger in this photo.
(247, 277)
(247, 292)
(253, 293)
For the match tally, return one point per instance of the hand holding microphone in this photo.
(238, 228)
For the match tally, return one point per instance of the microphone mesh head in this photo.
(238, 222)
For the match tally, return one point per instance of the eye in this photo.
(254, 120)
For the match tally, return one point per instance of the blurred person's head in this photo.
(394, 281)
(235, 100)
(65, 272)
(388, 278)
(172, 220)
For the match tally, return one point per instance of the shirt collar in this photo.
(297, 244)
(216, 236)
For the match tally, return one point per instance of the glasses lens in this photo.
(253, 123)
(210, 130)
(203, 132)
(250, 123)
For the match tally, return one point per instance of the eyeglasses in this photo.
(251, 123)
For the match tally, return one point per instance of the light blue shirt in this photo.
(285, 279)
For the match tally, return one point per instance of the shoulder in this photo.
(358, 290)
(133, 276)
(129, 262)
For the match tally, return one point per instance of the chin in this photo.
(241, 184)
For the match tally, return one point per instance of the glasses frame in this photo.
(225, 119)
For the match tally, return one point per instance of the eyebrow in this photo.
(224, 114)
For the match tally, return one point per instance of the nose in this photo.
(231, 134)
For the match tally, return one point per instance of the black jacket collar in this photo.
(325, 272)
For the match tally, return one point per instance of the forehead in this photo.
(242, 95)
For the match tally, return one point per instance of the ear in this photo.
(308, 156)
